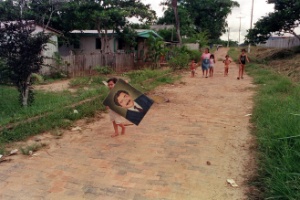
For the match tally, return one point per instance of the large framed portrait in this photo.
(128, 102)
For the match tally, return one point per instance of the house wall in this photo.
(192, 46)
(88, 45)
(141, 54)
(50, 49)
(49, 55)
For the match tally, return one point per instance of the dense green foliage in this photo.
(182, 56)
(155, 50)
(200, 15)
(201, 38)
(276, 118)
(284, 19)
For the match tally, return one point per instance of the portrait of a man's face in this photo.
(128, 102)
(123, 99)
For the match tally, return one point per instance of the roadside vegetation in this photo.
(276, 120)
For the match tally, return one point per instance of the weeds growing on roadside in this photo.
(276, 118)
(29, 150)
(146, 80)
(86, 81)
(11, 111)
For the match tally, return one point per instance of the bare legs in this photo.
(211, 71)
(116, 129)
(241, 71)
(192, 73)
(226, 71)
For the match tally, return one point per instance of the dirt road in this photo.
(183, 150)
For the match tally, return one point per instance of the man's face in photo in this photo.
(125, 100)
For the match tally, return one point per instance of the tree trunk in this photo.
(296, 36)
(25, 92)
(177, 23)
(102, 45)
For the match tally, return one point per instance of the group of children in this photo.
(208, 64)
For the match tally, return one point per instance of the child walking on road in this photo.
(243, 58)
(114, 117)
(193, 68)
(226, 62)
(212, 62)
(205, 62)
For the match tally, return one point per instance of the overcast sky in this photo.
(261, 8)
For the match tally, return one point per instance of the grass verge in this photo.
(276, 118)
(147, 79)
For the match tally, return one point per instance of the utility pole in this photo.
(249, 46)
(228, 36)
(240, 17)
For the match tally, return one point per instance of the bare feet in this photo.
(115, 135)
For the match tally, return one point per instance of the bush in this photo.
(180, 61)
(195, 55)
(104, 69)
(37, 78)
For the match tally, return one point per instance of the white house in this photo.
(51, 48)
(91, 43)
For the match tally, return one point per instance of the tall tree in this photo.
(206, 15)
(177, 22)
(284, 20)
(21, 52)
(187, 27)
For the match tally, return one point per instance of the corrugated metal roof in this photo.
(145, 33)
(30, 22)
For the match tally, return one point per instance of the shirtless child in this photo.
(193, 68)
(226, 62)
(114, 117)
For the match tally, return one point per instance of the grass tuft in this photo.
(277, 127)
(30, 149)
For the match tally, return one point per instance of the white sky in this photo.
(261, 8)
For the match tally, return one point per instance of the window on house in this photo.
(77, 44)
(98, 43)
(121, 44)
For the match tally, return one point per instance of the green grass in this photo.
(147, 79)
(278, 133)
(11, 111)
(87, 81)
